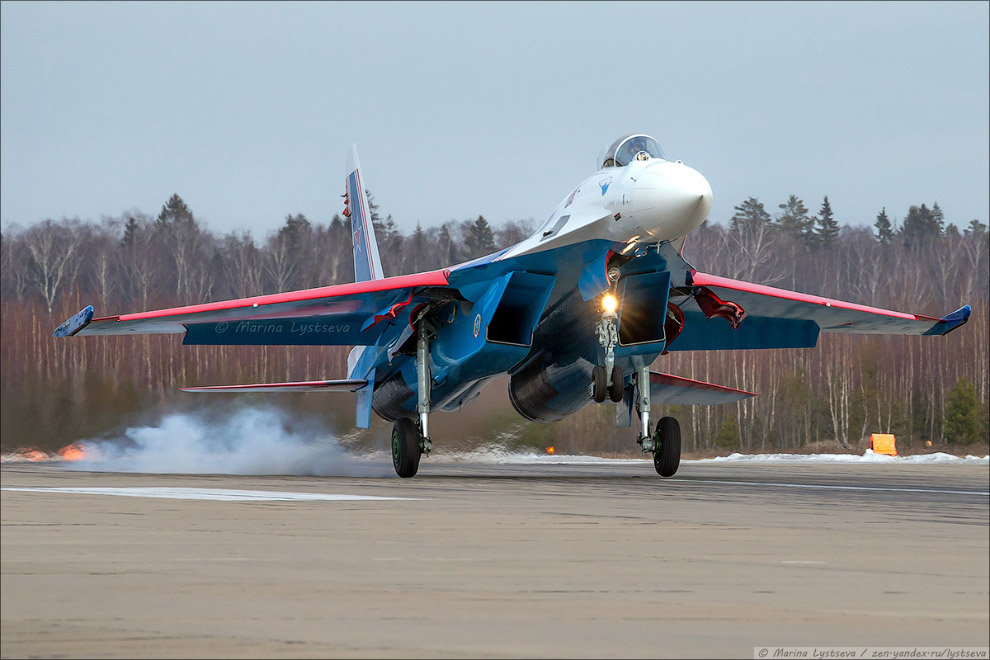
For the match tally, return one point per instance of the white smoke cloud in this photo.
(247, 441)
(267, 441)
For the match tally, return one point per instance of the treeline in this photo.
(920, 388)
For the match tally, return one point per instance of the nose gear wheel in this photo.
(599, 384)
(617, 385)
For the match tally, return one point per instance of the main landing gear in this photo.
(411, 441)
(667, 447)
(665, 443)
(406, 450)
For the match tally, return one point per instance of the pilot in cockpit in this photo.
(637, 144)
(629, 148)
(639, 149)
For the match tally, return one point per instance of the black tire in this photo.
(599, 384)
(615, 389)
(405, 447)
(667, 448)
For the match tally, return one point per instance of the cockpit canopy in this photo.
(626, 149)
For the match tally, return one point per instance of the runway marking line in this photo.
(214, 494)
(832, 487)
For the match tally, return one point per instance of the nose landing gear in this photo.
(602, 386)
(607, 380)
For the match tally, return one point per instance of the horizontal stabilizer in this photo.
(668, 389)
(350, 385)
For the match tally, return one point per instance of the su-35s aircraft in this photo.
(575, 314)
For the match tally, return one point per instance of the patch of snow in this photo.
(868, 457)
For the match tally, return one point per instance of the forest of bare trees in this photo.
(923, 389)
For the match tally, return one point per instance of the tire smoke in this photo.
(259, 441)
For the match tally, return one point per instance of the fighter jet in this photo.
(575, 314)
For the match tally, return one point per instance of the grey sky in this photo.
(247, 110)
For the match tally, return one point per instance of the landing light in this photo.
(609, 303)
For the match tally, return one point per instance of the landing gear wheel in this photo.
(599, 384)
(405, 447)
(615, 389)
(667, 447)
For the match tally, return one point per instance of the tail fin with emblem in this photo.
(367, 263)
(367, 266)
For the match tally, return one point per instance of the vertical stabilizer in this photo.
(367, 263)
(367, 266)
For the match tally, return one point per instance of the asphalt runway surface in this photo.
(604, 560)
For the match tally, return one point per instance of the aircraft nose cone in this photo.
(696, 186)
(679, 198)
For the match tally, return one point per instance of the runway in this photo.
(534, 560)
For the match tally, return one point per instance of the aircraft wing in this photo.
(345, 314)
(722, 313)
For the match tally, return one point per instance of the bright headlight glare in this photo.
(609, 303)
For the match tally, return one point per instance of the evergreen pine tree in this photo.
(390, 233)
(376, 220)
(827, 229)
(975, 227)
(962, 414)
(885, 230)
(447, 247)
(920, 226)
(748, 214)
(372, 206)
(297, 230)
(417, 250)
(728, 432)
(130, 233)
(418, 239)
(794, 220)
(938, 218)
(175, 212)
(480, 240)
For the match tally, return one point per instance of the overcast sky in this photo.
(248, 110)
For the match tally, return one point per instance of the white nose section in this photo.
(675, 197)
